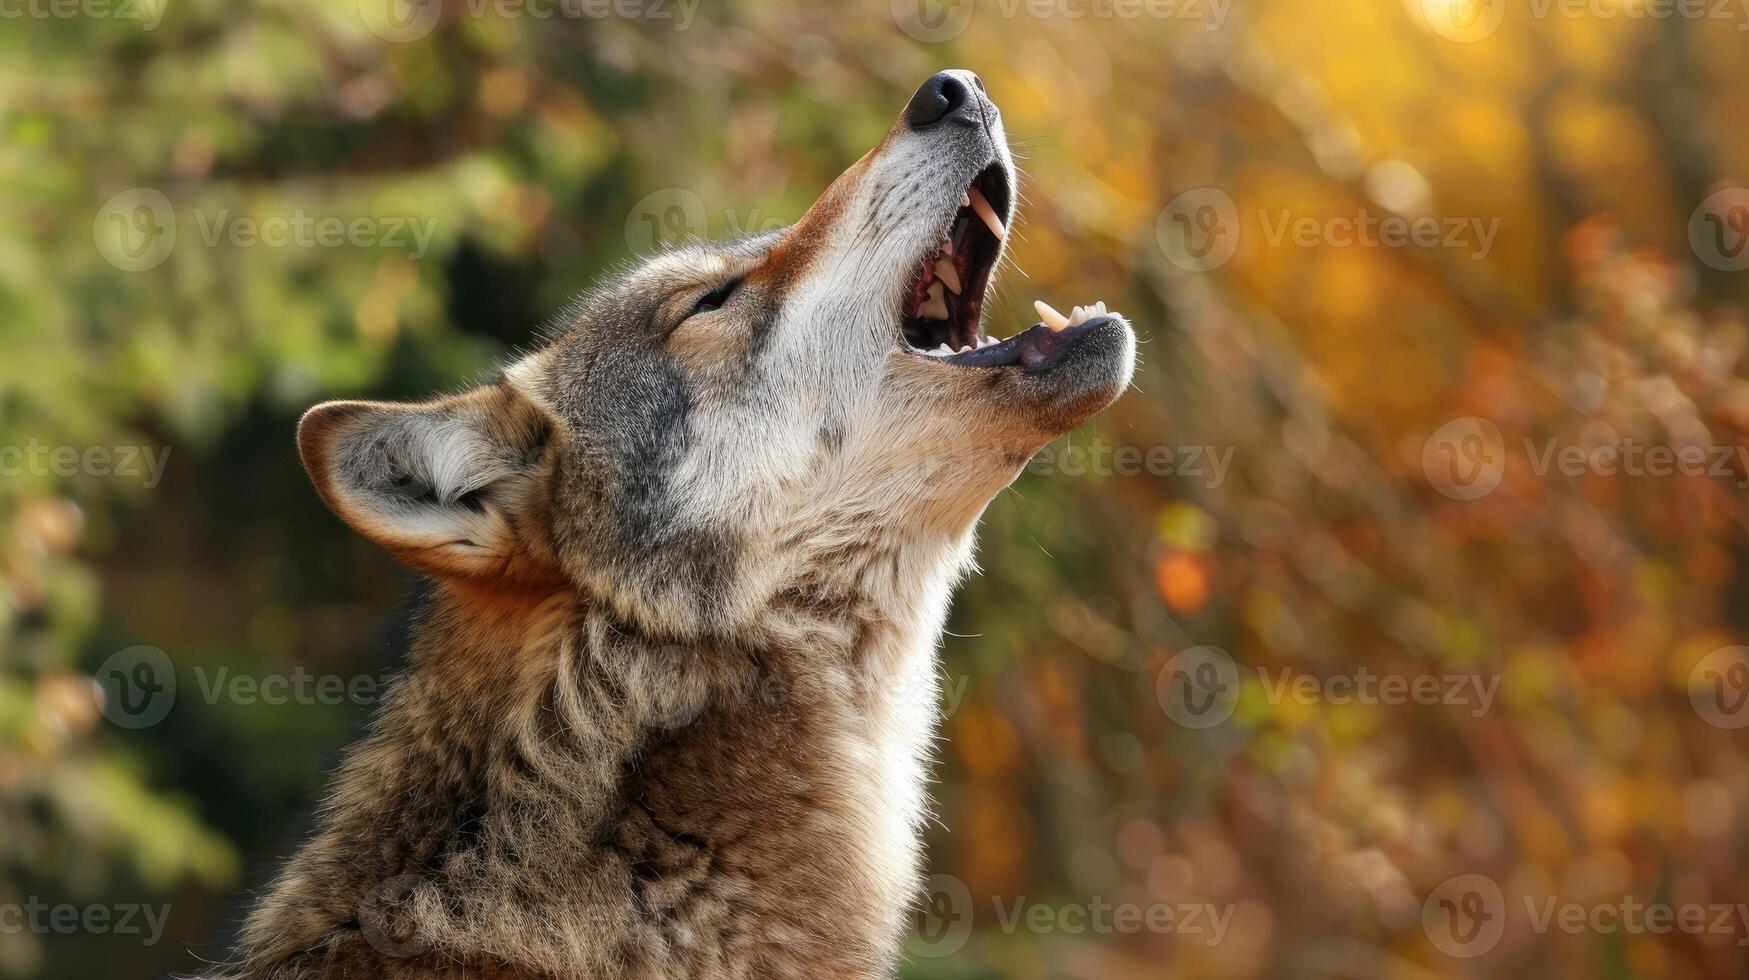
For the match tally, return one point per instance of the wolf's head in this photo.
(727, 419)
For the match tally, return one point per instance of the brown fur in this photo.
(668, 712)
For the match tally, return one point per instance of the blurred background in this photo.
(1389, 627)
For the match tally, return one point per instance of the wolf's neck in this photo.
(545, 726)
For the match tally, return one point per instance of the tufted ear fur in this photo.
(448, 486)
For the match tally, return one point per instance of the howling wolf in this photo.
(668, 711)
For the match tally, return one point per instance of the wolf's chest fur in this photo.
(550, 794)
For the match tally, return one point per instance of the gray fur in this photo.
(669, 712)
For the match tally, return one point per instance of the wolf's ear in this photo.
(439, 484)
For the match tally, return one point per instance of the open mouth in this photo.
(943, 310)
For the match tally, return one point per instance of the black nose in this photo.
(945, 96)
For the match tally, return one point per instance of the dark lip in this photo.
(1035, 349)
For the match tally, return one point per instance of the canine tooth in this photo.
(935, 307)
(949, 276)
(965, 200)
(988, 213)
(1051, 318)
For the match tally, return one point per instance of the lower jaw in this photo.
(1035, 349)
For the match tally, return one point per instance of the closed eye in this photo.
(715, 298)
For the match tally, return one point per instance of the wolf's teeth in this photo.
(935, 308)
(986, 212)
(1051, 318)
(945, 271)
(965, 200)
